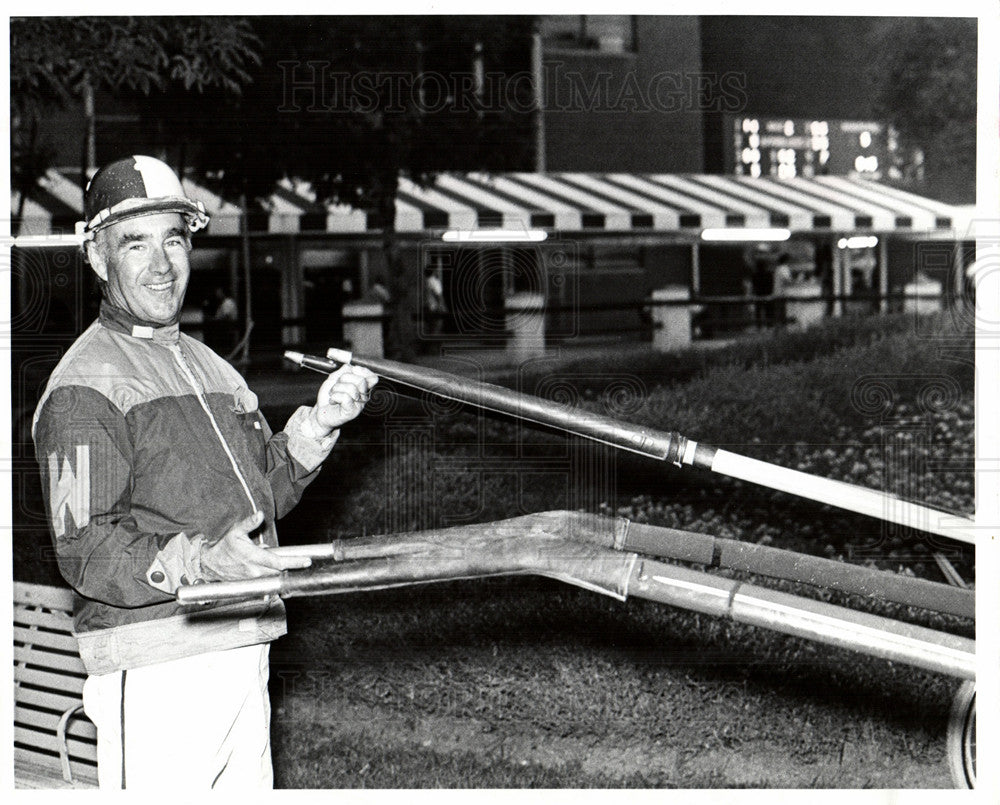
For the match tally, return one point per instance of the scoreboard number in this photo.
(784, 148)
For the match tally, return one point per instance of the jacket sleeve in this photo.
(294, 457)
(84, 453)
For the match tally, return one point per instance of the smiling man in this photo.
(159, 470)
(148, 281)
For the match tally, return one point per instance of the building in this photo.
(627, 93)
(633, 140)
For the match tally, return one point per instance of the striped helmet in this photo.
(135, 186)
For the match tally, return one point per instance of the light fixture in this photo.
(739, 235)
(858, 242)
(43, 241)
(494, 235)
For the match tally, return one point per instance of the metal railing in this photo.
(712, 315)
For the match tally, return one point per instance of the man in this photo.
(158, 470)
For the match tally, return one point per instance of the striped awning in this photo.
(565, 202)
(56, 205)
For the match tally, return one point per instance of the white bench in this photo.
(55, 744)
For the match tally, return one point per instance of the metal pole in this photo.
(843, 495)
(730, 554)
(825, 623)
(537, 72)
(511, 548)
(663, 445)
(90, 117)
(668, 543)
(244, 359)
(695, 268)
(838, 278)
(883, 274)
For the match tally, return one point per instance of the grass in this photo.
(767, 348)
(448, 673)
(302, 760)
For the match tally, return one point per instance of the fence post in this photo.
(922, 285)
(804, 311)
(671, 323)
(524, 315)
(363, 328)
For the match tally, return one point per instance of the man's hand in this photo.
(235, 556)
(342, 397)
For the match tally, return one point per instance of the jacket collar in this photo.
(121, 321)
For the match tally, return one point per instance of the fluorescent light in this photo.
(858, 242)
(493, 235)
(745, 234)
(986, 262)
(43, 241)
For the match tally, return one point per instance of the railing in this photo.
(667, 322)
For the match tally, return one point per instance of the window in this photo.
(604, 33)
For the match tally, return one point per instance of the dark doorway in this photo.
(326, 289)
(266, 309)
(474, 291)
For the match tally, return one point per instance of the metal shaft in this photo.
(669, 543)
(487, 396)
(663, 445)
(777, 563)
(873, 635)
(881, 505)
(577, 549)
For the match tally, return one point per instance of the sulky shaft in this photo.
(662, 445)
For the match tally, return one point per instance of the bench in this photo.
(55, 744)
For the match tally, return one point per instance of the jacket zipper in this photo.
(182, 361)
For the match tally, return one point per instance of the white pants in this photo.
(197, 723)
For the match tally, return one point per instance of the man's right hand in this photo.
(235, 556)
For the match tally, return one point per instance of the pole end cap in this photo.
(339, 355)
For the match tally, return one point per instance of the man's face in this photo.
(145, 264)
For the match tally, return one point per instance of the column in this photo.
(958, 273)
(883, 275)
(838, 278)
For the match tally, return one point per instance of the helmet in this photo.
(135, 186)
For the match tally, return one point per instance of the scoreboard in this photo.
(785, 147)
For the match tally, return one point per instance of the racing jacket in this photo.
(150, 445)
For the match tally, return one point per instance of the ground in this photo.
(522, 683)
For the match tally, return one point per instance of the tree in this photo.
(55, 61)
(926, 73)
(350, 104)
